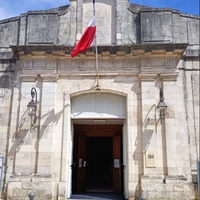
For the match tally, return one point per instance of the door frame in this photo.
(124, 151)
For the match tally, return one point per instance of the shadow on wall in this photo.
(142, 143)
(18, 139)
(147, 133)
(24, 127)
(51, 118)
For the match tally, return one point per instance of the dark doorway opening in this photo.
(99, 159)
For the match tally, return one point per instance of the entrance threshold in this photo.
(98, 195)
(98, 190)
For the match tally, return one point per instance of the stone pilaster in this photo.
(173, 144)
(47, 122)
(149, 123)
(66, 144)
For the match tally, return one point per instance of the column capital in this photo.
(147, 77)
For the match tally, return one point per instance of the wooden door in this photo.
(81, 134)
(117, 163)
(81, 163)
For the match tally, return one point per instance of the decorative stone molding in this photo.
(151, 178)
(136, 49)
(141, 58)
(28, 78)
(49, 78)
(33, 78)
(51, 63)
(176, 178)
(169, 77)
(45, 177)
(170, 62)
(147, 77)
(27, 63)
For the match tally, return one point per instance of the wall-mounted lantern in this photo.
(32, 105)
(162, 106)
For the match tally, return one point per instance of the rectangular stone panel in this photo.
(8, 33)
(156, 26)
(42, 29)
(193, 30)
(105, 20)
(4, 81)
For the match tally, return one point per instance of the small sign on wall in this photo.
(150, 159)
(80, 162)
(116, 163)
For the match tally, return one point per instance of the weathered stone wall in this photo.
(39, 27)
(122, 23)
(38, 157)
(161, 26)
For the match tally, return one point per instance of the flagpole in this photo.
(96, 51)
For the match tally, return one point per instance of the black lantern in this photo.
(162, 106)
(32, 105)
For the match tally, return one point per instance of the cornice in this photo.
(104, 51)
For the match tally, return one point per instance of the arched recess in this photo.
(98, 106)
(95, 109)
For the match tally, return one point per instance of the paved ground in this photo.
(99, 196)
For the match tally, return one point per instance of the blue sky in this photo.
(11, 8)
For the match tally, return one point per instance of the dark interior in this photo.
(99, 175)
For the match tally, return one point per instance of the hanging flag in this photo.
(86, 39)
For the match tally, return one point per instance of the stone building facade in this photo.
(145, 56)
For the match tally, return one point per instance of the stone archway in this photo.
(99, 109)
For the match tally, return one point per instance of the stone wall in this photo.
(124, 23)
(153, 49)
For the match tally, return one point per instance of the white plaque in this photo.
(150, 159)
(116, 163)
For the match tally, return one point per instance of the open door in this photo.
(117, 163)
(101, 147)
(81, 163)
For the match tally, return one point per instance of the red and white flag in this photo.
(86, 39)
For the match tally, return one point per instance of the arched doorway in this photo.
(98, 161)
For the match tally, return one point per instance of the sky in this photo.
(13, 8)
